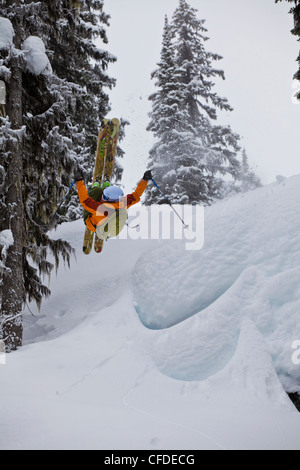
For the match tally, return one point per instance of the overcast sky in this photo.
(259, 60)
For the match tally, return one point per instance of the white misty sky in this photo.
(259, 60)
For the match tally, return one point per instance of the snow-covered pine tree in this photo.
(198, 74)
(70, 30)
(205, 152)
(41, 139)
(11, 222)
(171, 126)
(30, 185)
(247, 178)
(164, 117)
(295, 10)
(245, 181)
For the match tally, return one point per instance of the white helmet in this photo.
(112, 193)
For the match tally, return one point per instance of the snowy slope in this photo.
(150, 346)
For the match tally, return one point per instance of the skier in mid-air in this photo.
(101, 202)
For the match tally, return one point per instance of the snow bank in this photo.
(6, 33)
(37, 61)
(252, 368)
(248, 268)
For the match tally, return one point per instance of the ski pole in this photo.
(47, 227)
(155, 184)
(74, 181)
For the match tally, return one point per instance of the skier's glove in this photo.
(78, 176)
(147, 175)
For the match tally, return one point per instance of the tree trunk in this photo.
(12, 291)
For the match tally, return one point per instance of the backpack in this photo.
(115, 222)
(95, 192)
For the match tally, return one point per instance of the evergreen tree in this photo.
(51, 126)
(169, 122)
(204, 152)
(247, 178)
(295, 10)
(69, 29)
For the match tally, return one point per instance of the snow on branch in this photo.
(6, 240)
(6, 33)
(36, 59)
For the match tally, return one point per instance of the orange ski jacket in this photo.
(101, 210)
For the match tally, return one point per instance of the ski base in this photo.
(88, 241)
(103, 171)
(98, 244)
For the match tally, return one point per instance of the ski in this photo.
(97, 174)
(108, 168)
(103, 170)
